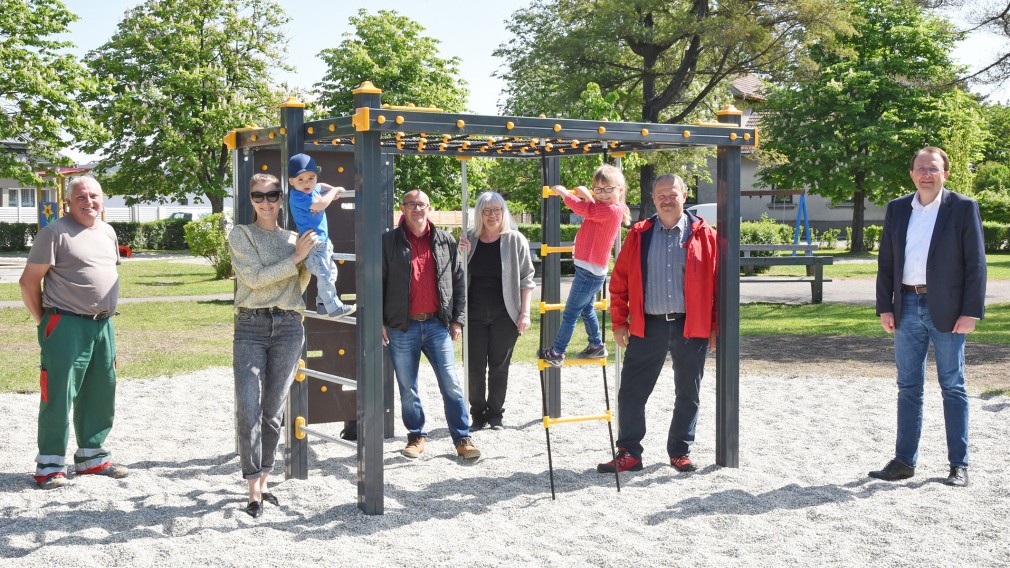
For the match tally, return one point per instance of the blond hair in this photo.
(607, 175)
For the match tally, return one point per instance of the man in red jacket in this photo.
(663, 297)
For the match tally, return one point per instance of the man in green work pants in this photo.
(70, 286)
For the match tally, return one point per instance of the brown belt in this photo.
(423, 317)
(916, 289)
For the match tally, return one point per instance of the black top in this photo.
(485, 275)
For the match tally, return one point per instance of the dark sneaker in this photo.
(477, 424)
(54, 481)
(552, 357)
(893, 471)
(341, 311)
(683, 463)
(466, 450)
(958, 477)
(496, 424)
(415, 446)
(594, 352)
(624, 461)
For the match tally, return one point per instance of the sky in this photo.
(470, 30)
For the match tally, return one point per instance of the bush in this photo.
(829, 238)
(764, 232)
(994, 206)
(208, 237)
(15, 236)
(871, 236)
(996, 236)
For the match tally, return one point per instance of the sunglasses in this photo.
(271, 196)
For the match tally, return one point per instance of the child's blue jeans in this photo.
(585, 285)
(320, 264)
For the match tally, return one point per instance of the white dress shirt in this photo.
(917, 239)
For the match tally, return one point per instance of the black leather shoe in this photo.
(477, 424)
(958, 477)
(893, 471)
(254, 509)
(272, 499)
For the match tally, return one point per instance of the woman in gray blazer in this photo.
(499, 286)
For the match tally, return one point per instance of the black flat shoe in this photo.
(254, 509)
(893, 471)
(272, 499)
(958, 477)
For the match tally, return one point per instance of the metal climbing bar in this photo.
(342, 319)
(548, 249)
(603, 304)
(548, 421)
(301, 431)
(542, 365)
(327, 377)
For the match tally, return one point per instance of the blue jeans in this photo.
(430, 337)
(585, 285)
(643, 361)
(911, 342)
(320, 264)
(268, 344)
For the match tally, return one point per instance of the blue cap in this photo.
(301, 163)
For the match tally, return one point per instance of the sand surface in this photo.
(800, 497)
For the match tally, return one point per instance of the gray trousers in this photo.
(268, 344)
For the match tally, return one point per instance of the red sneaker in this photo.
(624, 461)
(683, 463)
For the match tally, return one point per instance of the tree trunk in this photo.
(647, 178)
(216, 203)
(858, 211)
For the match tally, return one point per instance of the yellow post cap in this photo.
(367, 88)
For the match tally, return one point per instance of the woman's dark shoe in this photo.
(272, 499)
(254, 509)
(893, 471)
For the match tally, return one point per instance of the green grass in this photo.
(197, 335)
(155, 278)
(998, 267)
(152, 339)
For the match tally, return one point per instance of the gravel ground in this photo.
(800, 496)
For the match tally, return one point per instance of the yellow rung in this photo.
(299, 424)
(602, 361)
(545, 307)
(548, 421)
(547, 192)
(548, 249)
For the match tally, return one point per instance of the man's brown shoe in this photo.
(415, 446)
(466, 449)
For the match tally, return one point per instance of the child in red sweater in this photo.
(603, 209)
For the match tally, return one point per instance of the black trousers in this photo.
(492, 337)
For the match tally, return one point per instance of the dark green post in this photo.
(296, 452)
(550, 276)
(370, 222)
(727, 370)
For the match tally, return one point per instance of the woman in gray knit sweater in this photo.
(270, 278)
(499, 286)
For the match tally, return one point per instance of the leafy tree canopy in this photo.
(393, 52)
(181, 73)
(848, 131)
(668, 60)
(39, 83)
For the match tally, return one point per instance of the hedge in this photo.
(996, 236)
(166, 234)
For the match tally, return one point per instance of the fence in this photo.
(138, 213)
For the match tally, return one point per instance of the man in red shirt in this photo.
(424, 296)
(663, 297)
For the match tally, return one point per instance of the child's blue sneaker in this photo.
(552, 357)
(341, 311)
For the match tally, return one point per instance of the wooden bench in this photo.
(815, 271)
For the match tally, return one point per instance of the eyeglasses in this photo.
(416, 205)
(932, 170)
(271, 196)
(491, 212)
(608, 189)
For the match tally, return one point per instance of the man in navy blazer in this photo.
(931, 277)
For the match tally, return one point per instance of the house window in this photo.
(27, 197)
(780, 200)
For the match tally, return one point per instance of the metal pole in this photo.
(727, 371)
(618, 351)
(550, 278)
(465, 208)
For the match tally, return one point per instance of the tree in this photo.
(392, 52)
(181, 74)
(997, 118)
(848, 131)
(667, 58)
(38, 88)
(964, 138)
